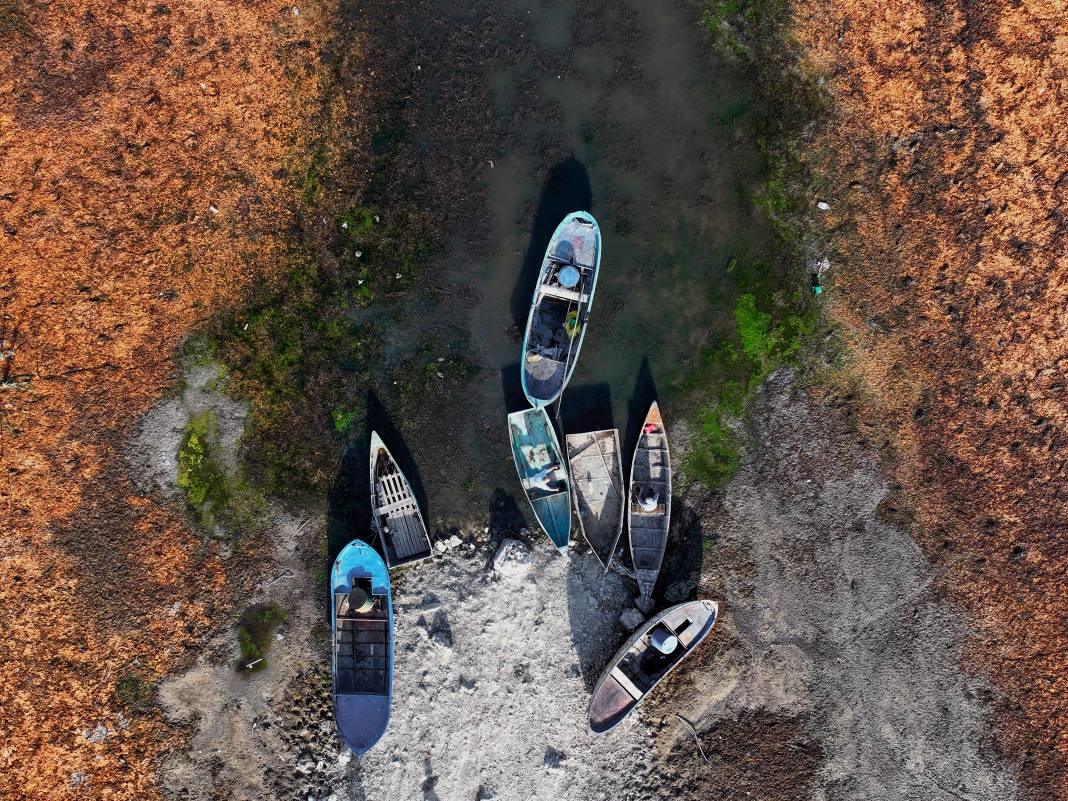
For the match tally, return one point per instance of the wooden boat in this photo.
(597, 484)
(395, 514)
(656, 649)
(362, 626)
(542, 472)
(561, 306)
(650, 479)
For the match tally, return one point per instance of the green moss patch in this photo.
(254, 633)
(200, 474)
(774, 314)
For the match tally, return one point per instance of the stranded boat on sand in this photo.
(362, 625)
(395, 514)
(655, 650)
(561, 306)
(542, 472)
(649, 508)
(597, 484)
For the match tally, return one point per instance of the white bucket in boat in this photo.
(663, 640)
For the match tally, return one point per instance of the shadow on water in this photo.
(512, 389)
(567, 189)
(587, 408)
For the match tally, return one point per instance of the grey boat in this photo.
(597, 486)
(649, 508)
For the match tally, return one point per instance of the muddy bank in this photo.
(945, 184)
(834, 643)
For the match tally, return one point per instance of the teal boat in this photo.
(560, 308)
(362, 625)
(542, 472)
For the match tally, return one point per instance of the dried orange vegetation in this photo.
(949, 152)
(143, 156)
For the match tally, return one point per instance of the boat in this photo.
(597, 484)
(649, 508)
(561, 307)
(395, 514)
(655, 649)
(542, 472)
(362, 625)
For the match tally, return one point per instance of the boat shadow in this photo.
(566, 189)
(587, 408)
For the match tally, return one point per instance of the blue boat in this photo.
(560, 308)
(362, 625)
(542, 472)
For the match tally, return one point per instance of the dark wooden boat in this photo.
(563, 298)
(597, 486)
(362, 625)
(649, 506)
(642, 663)
(395, 514)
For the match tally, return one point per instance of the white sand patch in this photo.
(492, 684)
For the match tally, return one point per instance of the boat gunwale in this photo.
(576, 346)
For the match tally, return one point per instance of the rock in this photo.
(678, 592)
(454, 541)
(97, 735)
(344, 757)
(441, 546)
(631, 618)
(512, 559)
(823, 206)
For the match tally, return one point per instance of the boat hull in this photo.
(650, 470)
(626, 682)
(362, 647)
(534, 449)
(395, 514)
(598, 490)
(553, 339)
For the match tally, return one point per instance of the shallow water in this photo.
(528, 112)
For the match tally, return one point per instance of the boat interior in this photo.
(643, 665)
(361, 643)
(557, 319)
(400, 524)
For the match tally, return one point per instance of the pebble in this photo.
(512, 559)
(631, 618)
(823, 206)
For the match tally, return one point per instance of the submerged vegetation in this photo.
(221, 501)
(254, 632)
(773, 314)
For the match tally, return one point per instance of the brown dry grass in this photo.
(143, 149)
(948, 151)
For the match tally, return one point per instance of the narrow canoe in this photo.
(640, 664)
(536, 452)
(650, 476)
(563, 298)
(597, 483)
(395, 514)
(362, 625)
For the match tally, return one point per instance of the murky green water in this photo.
(620, 108)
